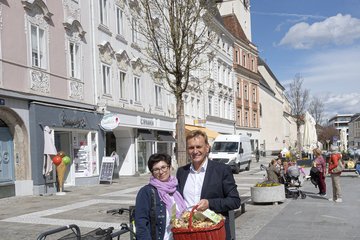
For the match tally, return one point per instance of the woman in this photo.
(273, 172)
(320, 164)
(335, 177)
(155, 202)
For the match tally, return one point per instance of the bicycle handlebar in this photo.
(118, 210)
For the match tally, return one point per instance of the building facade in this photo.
(278, 129)
(246, 80)
(354, 131)
(341, 123)
(43, 84)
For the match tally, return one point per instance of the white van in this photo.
(234, 150)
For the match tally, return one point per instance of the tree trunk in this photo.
(299, 145)
(180, 133)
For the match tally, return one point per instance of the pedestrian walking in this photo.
(320, 164)
(335, 167)
(257, 154)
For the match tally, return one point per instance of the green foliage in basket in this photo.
(267, 184)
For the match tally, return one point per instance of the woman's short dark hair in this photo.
(158, 157)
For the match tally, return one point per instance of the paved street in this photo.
(313, 217)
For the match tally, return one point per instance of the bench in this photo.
(233, 214)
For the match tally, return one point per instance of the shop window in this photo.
(85, 154)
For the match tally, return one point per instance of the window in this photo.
(74, 60)
(220, 108)
(38, 50)
(236, 56)
(238, 89)
(106, 78)
(244, 61)
(122, 77)
(219, 73)
(103, 12)
(230, 82)
(238, 117)
(119, 21)
(254, 94)
(246, 97)
(192, 106)
(246, 123)
(198, 107)
(134, 31)
(229, 110)
(254, 120)
(137, 89)
(224, 75)
(158, 96)
(210, 99)
(210, 68)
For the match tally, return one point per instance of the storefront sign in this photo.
(147, 121)
(75, 122)
(110, 121)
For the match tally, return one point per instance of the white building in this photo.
(278, 129)
(125, 90)
(212, 107)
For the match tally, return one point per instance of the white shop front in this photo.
(134, 137)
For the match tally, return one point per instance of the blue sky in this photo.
(320, 40)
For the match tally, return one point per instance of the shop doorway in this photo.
(6, 155)
(144, 152)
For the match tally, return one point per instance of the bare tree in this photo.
(316, 109)
(176, 34)
(326, 135)
(298, 98)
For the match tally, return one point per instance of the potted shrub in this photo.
(268, 192)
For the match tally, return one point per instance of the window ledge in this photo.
(104, 29)
(121, 38)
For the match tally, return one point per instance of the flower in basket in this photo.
(267, 184)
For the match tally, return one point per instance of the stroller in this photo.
(292, 183)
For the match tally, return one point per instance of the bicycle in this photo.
(99, 233)
(125, 227)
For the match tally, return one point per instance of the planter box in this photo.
(268, 194)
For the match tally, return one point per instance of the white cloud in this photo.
(338, 30)
(341, 104)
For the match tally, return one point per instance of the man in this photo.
(257, 154)
(207, 183)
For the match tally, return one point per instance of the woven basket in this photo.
(216, 232)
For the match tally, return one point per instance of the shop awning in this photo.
(210, 133)
(165, 136)
(146, 135)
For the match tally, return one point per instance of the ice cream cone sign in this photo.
(60, 171)
(61, 161)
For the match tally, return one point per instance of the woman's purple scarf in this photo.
(165, 189)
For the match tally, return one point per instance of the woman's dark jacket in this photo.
(142, 214)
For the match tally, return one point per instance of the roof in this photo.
(232, 24)
(261, 62)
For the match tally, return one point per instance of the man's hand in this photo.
(203, 205)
